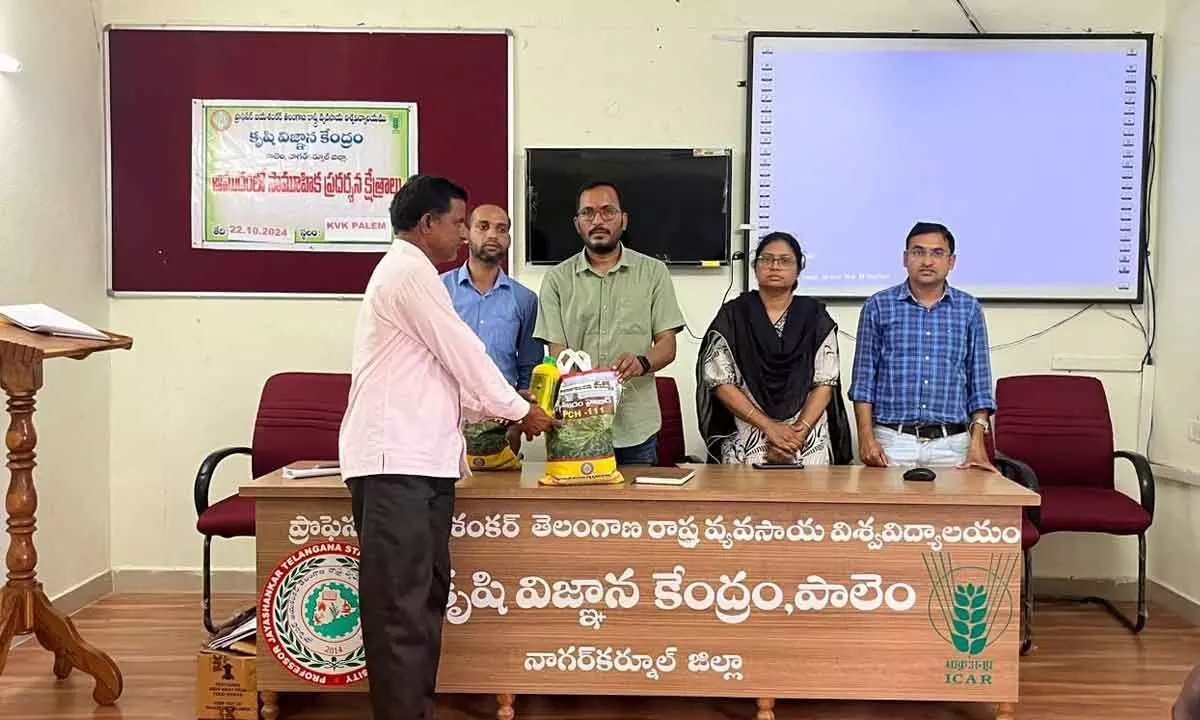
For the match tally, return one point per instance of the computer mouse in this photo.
(919, 473)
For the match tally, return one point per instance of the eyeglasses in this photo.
(606, 213)
(783, 261)
(937, 253)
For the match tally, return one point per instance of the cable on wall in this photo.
(1151, 329)
(970, 16)
(737, 256)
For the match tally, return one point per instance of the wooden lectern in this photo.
(24, 607)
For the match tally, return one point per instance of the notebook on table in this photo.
(664, 476)
(46, 320)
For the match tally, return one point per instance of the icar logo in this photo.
(970, 607)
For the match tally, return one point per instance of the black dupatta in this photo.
(777, 369)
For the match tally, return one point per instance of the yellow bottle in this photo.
(543, 384)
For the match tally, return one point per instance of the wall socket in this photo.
(1194, 430)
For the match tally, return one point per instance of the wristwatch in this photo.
(987, 426)
(645, 364)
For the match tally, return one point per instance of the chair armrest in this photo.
(1016, 470)
(1145, 477)
(207, 468)
(1020, 472)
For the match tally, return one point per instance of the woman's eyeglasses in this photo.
(783, 261)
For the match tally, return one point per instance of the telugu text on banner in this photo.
(301, 176)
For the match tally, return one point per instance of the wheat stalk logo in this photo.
(973, 604)
(969, 629)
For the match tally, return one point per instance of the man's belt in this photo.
(928, 431)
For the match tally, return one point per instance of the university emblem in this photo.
(309, 614)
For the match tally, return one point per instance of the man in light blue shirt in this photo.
(500, 310)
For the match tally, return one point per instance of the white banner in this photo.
(284, 175)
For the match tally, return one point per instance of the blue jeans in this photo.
(645, 453)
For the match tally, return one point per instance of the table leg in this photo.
(270, 704)
(504, 707)
(11, 618)
(766, 709)
(24, 607)
(1006, 711)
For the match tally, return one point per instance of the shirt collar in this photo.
(464, 277)
(582, 264)
(404, 247)
(904, 293)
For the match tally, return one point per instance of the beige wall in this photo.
(1175, 559)
(660, 72)
(52, 251)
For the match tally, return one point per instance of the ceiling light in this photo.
(9, 64)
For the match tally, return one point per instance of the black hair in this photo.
(598, 183)
(792, 243)
(788, 238)
(927, 228)
(422, 195)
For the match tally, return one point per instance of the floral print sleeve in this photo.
(719, 367)
(827, 365)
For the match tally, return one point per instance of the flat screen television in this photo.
(677, 201)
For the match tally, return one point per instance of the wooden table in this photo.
(840, 582)
(24, 607)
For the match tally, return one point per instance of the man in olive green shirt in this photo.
(619, 307)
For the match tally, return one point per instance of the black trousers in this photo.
(403, 526)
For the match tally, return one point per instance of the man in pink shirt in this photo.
(417, 370)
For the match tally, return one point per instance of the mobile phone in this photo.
(778, 466)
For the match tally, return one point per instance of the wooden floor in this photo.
(1084, 666)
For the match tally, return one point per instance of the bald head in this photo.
(490, 238)
(491, 212)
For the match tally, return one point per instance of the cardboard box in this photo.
(226, 686)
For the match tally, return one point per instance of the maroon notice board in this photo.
(460, 82)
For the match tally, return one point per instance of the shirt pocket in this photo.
(955, 340)
(634, 321)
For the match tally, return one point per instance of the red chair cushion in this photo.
(299, 417)
(232, 517)
(1059, 425)
(670, 435)
(1029, 534)
(1091, 509)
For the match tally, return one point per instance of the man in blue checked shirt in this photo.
(500, 310)
(922, 380)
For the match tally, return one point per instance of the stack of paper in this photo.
(320, 470)
(46, 320)
(233, 634)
